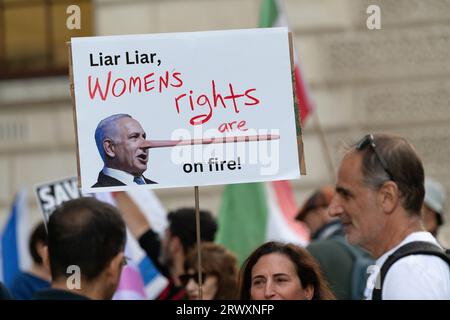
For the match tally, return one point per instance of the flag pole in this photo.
(199, 248)
(323, 140)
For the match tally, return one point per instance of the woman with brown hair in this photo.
(219, 273)
(282, 271)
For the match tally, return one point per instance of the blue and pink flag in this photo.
(140, 279)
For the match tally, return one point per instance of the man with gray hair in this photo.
(122, 144)
(379, 196)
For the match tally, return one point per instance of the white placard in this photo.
(216, 107)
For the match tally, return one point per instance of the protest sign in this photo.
(184, 109)
(51, 194)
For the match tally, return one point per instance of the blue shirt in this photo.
(25, 285)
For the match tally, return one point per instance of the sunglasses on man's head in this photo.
(184, 278)
(369, 140)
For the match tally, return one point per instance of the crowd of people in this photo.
(373, 236)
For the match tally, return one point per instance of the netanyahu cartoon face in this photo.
(121, 142)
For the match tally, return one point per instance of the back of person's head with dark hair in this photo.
(182, 225)
(87, 233)
(217, 261)
(38, 236)
(308, 269)
(404, 164)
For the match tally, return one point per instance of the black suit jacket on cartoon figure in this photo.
(107, 181)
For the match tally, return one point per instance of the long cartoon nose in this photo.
(145, 144)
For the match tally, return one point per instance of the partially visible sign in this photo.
(52, 194)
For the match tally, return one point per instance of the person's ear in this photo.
(389, 196)
(309, 292)
(45, 259)
(40, 247)
(108, 147)
(109, 278)
(115, 267)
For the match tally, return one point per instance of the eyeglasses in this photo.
(184, 278)
(369, 140)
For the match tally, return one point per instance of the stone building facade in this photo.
(395, 79)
